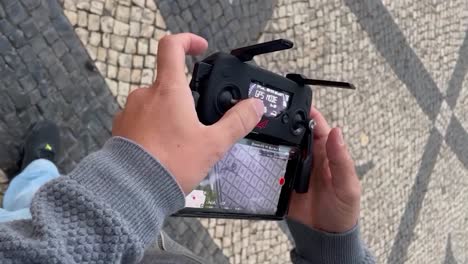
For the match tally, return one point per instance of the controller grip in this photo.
(195, 96)
(301, 184)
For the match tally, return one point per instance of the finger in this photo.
(321, 129)
(344, 178)
(171, 55)
(239, 120)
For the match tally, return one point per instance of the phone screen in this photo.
(248, 179)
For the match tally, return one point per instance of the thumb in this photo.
(344, 177)
(240, 120)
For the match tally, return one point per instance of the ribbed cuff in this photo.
(316, 246)
(133, 183)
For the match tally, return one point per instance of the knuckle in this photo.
(167, 40)
(163, 87)
(135, 95)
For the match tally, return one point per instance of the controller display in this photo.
(275, 102)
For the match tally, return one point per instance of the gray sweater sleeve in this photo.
(318, 247)
(107, 210)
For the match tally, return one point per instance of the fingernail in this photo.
(340, 137)
(259, 107)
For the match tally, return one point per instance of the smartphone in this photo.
(249, 182)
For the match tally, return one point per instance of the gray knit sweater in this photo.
(110, 208)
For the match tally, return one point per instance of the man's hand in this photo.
(162, 119)
(332, 202)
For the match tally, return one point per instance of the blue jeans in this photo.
(18, 196)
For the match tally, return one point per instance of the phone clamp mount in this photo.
(221, 80)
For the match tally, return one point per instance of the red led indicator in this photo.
(193, 197)
(281, 181)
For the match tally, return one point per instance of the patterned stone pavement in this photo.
(47, 74)
(406, 124)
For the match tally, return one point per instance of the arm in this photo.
(315, 246)
(110, 207)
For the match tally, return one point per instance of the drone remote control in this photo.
(257, 176)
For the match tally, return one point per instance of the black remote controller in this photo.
(222, 79)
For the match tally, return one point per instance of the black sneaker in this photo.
(42, 142)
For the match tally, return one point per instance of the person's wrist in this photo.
(335, 220)
(317, 246)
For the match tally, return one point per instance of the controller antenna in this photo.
(247, 53)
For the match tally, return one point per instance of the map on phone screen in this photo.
(248, 179)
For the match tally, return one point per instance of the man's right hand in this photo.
(162, 119)
(332, 202)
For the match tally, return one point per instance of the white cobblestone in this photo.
(142, 46)
(140, 3)
(135, 29)
(138, 61)
(150, 61)
(147, 17)
(117, 42)
(153, 46)
(130, 46)
(147, 77)
(102, 54)
(113, 57)
(136, 13)
(95, 39)
(106, 40)
(124, 74)
(97, 7)
(123, 13)
(125, 60)
(160, 23)
(72, 17)
(113, 87)
(83, 5)
(111, 71)
(146, 31)
(151, 5)
(124, 88)
(121, 28)
(107, 24)
(82, 35)
(136, 76)
(82, 19)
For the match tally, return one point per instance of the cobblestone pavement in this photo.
(406, 124)
(121, 37)
(46, 73)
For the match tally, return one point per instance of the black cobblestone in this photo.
(59, 48)
(51, 35)
(28, 83)
(16, 12)
(28, 28)
(17, 38)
